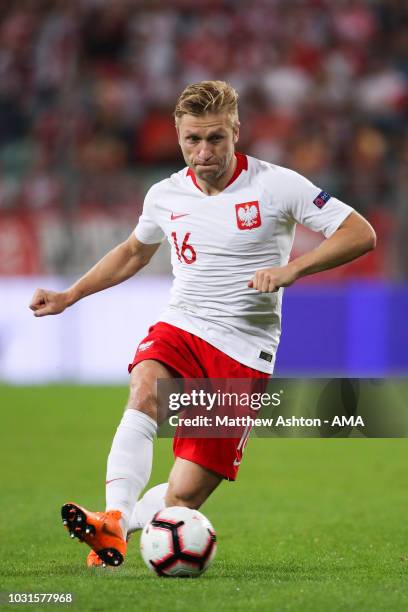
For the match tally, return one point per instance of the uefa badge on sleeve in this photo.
(248, 215)
(322, 199)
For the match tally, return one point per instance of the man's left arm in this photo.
(353, 238)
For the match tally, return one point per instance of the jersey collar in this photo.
(242, 164)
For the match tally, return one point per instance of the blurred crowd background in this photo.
(88, 87)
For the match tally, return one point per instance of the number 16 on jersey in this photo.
(187, 253)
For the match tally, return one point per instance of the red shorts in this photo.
(191, 357)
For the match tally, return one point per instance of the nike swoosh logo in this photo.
(173, 217)
(108, 481)
(236, 462)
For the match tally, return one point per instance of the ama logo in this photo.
(344, 421)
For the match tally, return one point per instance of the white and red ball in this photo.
(178, 542)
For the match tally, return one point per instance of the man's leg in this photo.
(189, 485)
(130, 459)
(151, 502)
(128, 470)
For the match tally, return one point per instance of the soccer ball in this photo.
(178, 542)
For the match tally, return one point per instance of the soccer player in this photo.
(230, 220)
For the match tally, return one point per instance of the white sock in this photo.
(129, 463)
(151, 502)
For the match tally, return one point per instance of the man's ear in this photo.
(236, 132)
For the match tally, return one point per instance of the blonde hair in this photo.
(208, 97)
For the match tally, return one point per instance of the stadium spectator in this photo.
(323, 88)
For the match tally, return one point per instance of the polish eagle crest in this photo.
(248, 215)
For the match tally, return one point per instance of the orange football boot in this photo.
(100, 530)
(94, 560)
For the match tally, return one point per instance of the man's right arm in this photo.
(118, 265)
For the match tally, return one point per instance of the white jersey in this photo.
(218, 242)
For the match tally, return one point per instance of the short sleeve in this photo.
(308, 205)
(148, 230)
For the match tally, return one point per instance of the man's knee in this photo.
(190, 484)
(182, 496)
(143, 397)
(143, 387)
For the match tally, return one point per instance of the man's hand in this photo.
(353, 238)
(118, 265)
(270, 280)
(46, 302)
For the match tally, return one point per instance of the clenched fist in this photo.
(270, 280)
(46, 302)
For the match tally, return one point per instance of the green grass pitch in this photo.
(310, 524)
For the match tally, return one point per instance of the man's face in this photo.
(207, 143)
